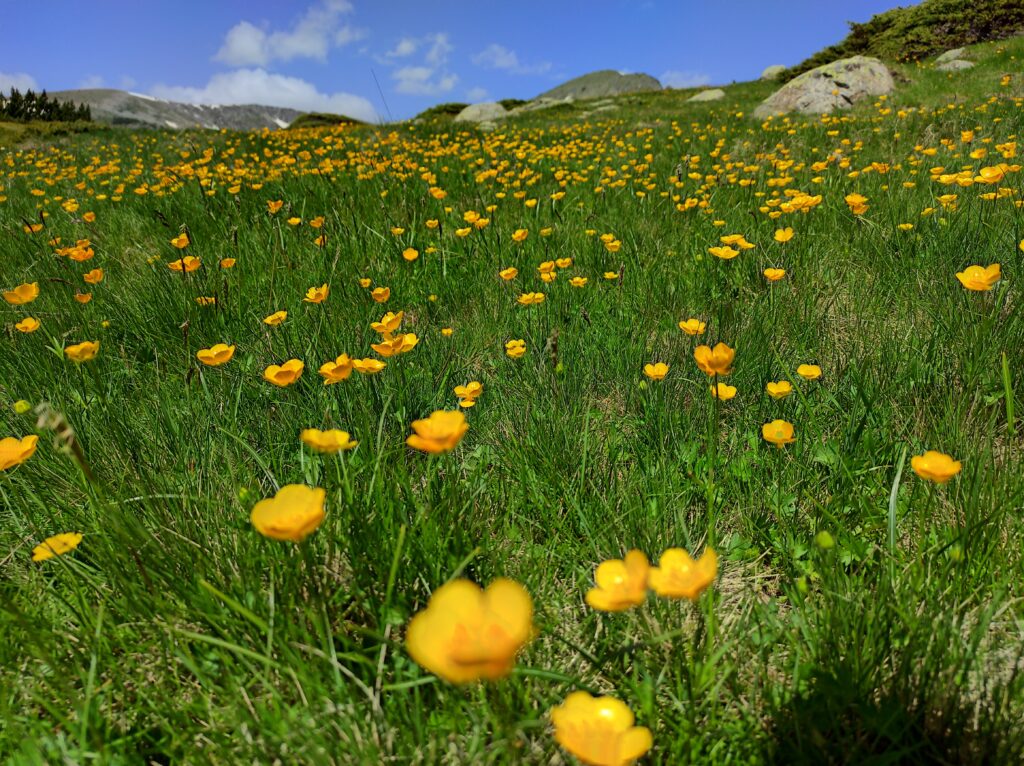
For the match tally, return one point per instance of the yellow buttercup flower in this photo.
(327, 442)
(599, 730)
(656, 371)
(469, 393)
(515, 348)
(520, 235)
(338, 370)
(388, 323)
(399, 344)
(510, 273)
(779, 390)
(27, 325)
(273, 205)
(83, 352)
(778, 432)
(466, 634)
(783, 235)
(93, 277)
(83, 297)
(716, 361)
(216, 355)
(978, 278)
(679, 576)
(22, 294)
(57, 545)
(291, 515)
(610, 275)
(317, 294)
(410, 254)
(723, 391)
(531, 299)
(724, 252)
(935, 466)
(441, 432)
(15, 451)
(774, 275)
(188, 264)
(181, 241)
(578, 281)
(276, 318)
(692, 326)
(285, 374)
(381, 294)
(620, 583)
(809, 371)
(368, 366)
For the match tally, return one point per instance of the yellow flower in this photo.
(724, 252)
(809, 371)
(857, 203)
(317, 294)
(621, 583)
(437, 193)
(180, 241)
(779, 390)
(388, 323)
(294, 221)
(27, 325)
(610, 275)
(679, 576)
(447, 331)
(317, 222)
(84, 351)
(93, 277)
(562, 263)
(432, 223)
(399, 344)
(717, 361)
(216, 355)
(463, 232)
(978, 278)
(336, 371)
(469, 392)
(381, 294)
(783, 235)
(365, 282)
(548, 276)
(723, 391)
(510, 273)
(774, 275)
(285, 374)
(515, 348)
(531, 299)
(441, 432)
(292, 514)
(274, 205)
(22, 294)
(227, 263)
(83, 297)
(599, 730)
(778, 432)
(546, 267)
(613, 245)
(206, 300)
(327, 442)
(935, 466)
(410, 254)
(368, 366)
(466, 634)
(578, 281)
(656, 371)
(188, 264)
(692, 326)
(21, 406)
(276, 318)
(14, 451)
(397, 231)
(57, 545)
(519, 235)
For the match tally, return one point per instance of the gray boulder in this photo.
(482, 113)
(712, 94)
(956, 53)
(540, 104)
(954, 65)
(606, 82)
(838, 85)
(773, 72)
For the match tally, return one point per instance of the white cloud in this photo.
(18, 80)
(675, 79)
(476, 95)
(311, 36)
(496, 56)
(91, 82)
(257, 86)
(431, 77)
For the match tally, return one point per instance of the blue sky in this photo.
(325, 54)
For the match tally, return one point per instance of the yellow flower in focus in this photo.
(578, 281)
(317, 294)
(294, 221)
(692, 326)
(21, 406)
(515, 348)
(388, 323)
(328, 442)
(520, 235)
(610, 275)
(809, 371)
(274, 205)
(285, 374)
(778, 432)
(620, 583)
(724, 252)
(599, 730)
(57, 545)
(276, 318)
(774, 275)
(381, 294)
(656, 371)
(783, 235)
(188, 264)
(368, 366)
(216, 355)
(22, 294)
(461, 233)
(410, 254)
(510, 273)
(679, 576)
(399, 344)
(83, 352)
(27, 325)
(978, 278)
(723, 391)
(531, 299)
(338, 370)
(15, 451)
(466, 634)
(935, 466)
(716, 361)
(857, 203)
(779, 390)
(469, 393)
(181, 241)
(291, 515)
(441, 432)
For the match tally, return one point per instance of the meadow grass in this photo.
(861, 614)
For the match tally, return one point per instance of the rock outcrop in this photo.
(773, 72)
(838, 85)
(486, 112)
(604, 83)
(711, 94)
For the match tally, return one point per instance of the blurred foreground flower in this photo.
(935, 466)
(292, 514)
(57, 545)
(84, 351)
(15, 451)
(599, 730)
(327, 442)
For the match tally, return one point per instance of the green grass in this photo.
(176, 633)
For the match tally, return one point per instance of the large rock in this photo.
(956, 53)
(482, 113)
(838, 85)
(954, 65)
(540, 104)
(773, 72)
(711, 94)
(607, 82)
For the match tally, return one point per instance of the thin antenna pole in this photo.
(381, 92)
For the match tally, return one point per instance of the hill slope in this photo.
(606, 82)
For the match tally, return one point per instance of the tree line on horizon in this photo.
(28, 106)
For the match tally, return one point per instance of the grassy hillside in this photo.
(857, 611)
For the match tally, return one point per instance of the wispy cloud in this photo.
(18, 80)
(496, 56)
(676, 79)
(431, 76)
